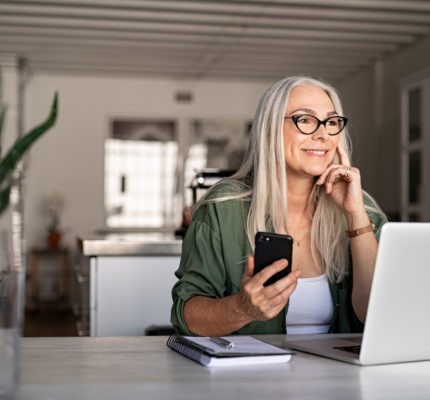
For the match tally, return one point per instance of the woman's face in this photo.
(309, 155)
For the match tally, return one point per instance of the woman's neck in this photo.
(299, 193)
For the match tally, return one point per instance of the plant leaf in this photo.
(9, 162)
(2, 116)
(4, 199)
(12, 157)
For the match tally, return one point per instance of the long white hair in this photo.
(263, 180)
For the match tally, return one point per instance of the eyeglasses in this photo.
(308, 124)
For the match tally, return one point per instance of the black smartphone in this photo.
(270, 247)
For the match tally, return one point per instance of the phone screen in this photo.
(270, 247)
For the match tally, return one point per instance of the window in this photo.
(138, 176)
(149, 167)
(140, 166)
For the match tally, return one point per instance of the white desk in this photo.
(144, 368)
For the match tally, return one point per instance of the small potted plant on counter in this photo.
(55, 204)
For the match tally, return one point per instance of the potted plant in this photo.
(54, 205)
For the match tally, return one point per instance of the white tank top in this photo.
(310, 308)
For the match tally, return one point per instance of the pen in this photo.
(222, 342)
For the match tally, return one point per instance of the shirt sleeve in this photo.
(376, 216)
(202, 270)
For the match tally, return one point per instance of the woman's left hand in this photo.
(343, 184)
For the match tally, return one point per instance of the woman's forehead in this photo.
(309, 98)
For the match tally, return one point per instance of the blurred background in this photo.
(152, 92)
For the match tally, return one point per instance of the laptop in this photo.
(397, 327)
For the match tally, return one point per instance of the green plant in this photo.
(54, 206)
(9, 162)
(54, 225)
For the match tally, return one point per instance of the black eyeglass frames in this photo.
(308, 124)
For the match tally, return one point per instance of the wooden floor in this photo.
(49, 321)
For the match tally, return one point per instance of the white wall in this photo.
(70, 157)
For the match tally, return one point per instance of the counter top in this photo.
(158, 244)
(144, 368)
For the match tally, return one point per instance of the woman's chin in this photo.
(316, 172)
(309, 171)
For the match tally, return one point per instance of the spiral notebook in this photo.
(247, 350)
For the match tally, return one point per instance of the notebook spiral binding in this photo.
(189, 350)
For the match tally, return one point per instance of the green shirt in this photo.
(214, 253)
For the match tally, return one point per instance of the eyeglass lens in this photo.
(308, 124)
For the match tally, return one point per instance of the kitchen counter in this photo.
(129, 273)
(132, 244)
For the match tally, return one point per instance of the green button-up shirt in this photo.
(214, 253)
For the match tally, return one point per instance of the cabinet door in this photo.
(128, 294)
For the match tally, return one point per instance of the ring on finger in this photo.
(346, 174)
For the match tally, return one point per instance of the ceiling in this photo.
(246, 40)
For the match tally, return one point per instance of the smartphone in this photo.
(270, 247)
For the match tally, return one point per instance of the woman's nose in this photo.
(320, 133)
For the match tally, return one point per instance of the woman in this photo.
(296, 179)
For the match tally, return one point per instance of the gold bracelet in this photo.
(360, 231)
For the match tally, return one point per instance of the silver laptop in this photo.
(397, 326)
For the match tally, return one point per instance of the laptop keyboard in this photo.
(350, 349)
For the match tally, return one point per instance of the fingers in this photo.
(347, 175)
(335, 173)
(260, 302)
(341, 170)
(284, 283)
(278, 302)
(277, 295)
(343, 156)
(267, 272)
(249, 268)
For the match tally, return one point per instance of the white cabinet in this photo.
(130, 293)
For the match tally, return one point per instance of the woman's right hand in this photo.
(258, 302)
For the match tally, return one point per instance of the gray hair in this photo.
(265, 164)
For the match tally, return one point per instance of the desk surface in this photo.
(144, 368)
